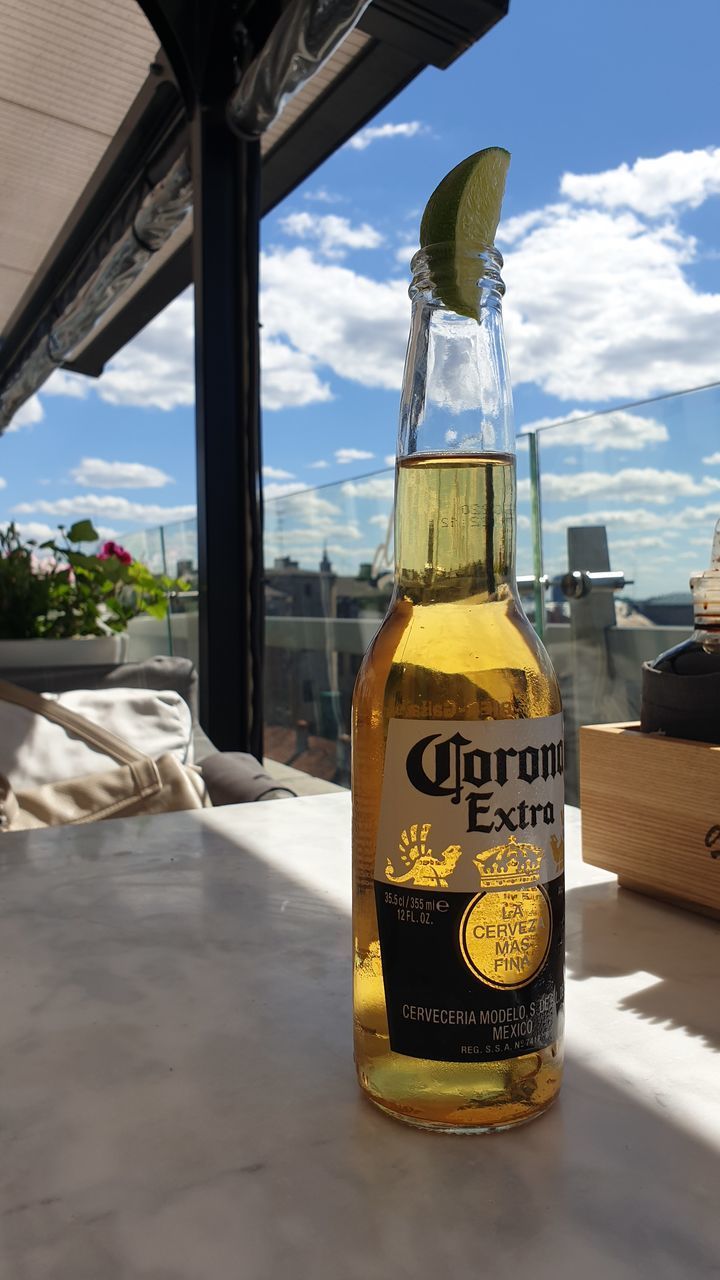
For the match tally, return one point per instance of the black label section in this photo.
(438, 1008)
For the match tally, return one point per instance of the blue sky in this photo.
(610, 235)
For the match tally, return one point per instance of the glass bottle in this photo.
(699, 654)
(458, 904)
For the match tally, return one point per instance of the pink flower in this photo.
(42, 565)
(109, 549)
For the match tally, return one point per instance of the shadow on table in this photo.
(609, 1183)
(613, 932)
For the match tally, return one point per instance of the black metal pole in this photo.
(226, 184)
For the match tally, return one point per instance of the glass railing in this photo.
(614, 512)
(169, 549)
(328, 567)
(632, 496)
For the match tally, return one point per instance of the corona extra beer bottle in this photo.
(457, 750)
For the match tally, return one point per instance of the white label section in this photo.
(470, 805)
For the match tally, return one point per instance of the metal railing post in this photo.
(168, 615)
(536, 533)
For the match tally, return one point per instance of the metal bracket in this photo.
(578, 583)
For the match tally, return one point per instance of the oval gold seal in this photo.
(505, 936)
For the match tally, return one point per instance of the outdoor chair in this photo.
(231, 777)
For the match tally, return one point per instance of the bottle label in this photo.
(469, 887)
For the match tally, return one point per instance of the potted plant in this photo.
(60, 606)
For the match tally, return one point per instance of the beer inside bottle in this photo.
(457, 752)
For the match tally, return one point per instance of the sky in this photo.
(611, 239)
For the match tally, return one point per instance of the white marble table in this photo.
(177, 1097)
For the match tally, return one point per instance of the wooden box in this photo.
(651, 813)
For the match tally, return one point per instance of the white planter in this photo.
(79, 651)
(149, 636)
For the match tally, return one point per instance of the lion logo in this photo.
(426, 870)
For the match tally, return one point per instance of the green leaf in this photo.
(83, 531)
(80, 560)
(158, 610)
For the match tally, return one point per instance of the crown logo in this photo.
(509, 866)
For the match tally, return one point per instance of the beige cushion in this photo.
(34, 751)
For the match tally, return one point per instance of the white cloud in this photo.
(405, 253)
(36, 531)
(27, 415)
(650, 186)
(278, 490)
(600, 306)
(389, 459)
(157, 369)
(343, 456)
(334, 235)
(712, 460)
(516, 228)
(618, 429)
(629, 517)
(309, 506)
(374, 487)
(335, 317)
(3, 482)
(697, 515)
(641, 519)
(304, 536)
(669, 559)
(320, 465)
(405, 129)
(380, 520)
(304, 522)
(322, 196)
(645, 484)
(645, 542)
(33, 530)
(277, 473)
(288, 377)
(64, 383)
(119, 475)
(107, 506)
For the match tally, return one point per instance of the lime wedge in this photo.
(464, 210)
(466, 205)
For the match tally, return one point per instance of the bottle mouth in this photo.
(450, 272)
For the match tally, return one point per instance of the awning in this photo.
(68, 75)
(91, 120)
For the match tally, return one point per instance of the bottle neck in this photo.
(707, 635)
(456, 395)
(455, 528)
(455, 485)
